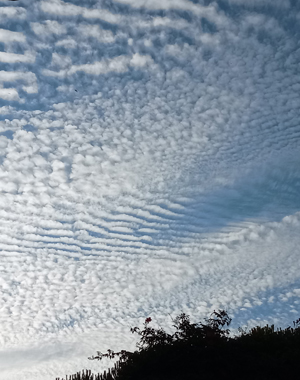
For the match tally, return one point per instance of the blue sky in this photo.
(149, 165)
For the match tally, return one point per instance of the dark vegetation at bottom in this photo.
(206, 351)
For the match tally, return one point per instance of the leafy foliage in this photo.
(205, 350)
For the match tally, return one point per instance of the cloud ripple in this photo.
(149, 164)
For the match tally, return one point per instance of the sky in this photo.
(149, 165)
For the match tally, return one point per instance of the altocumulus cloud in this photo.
(149, 164)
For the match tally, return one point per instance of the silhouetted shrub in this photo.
(205, 350)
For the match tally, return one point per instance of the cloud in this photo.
(258, 3)
(68, 43)
(12, 12)
(119, 64)
(104, 36)
(9, 94)
(28, 57)
(48, 27)
(7, 36)
(138, 60)
(149, 165)
(12, 76)
(212, 12)
(160, 22)
(165, 4)
(67, 9)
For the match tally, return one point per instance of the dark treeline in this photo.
(206, 351)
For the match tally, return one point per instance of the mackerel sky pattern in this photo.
(149, 165)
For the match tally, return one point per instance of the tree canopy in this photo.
(206, 350)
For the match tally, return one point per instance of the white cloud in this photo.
(138, 60)
(209, 39)
(189, 5)
(12, 12)
(31, 89)
(66, 9)
(28, 57)
(27, 77)
(119, 64)
(170, 187)
(7, 36)
(163, 4)
(61, 60)
(9, 94)
(102, 35)
(68, 43)
(48, 27)
(261, 3)
(212, 12)
(159, 22)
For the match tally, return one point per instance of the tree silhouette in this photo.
(206, 351)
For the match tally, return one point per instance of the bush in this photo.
(205, 350)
